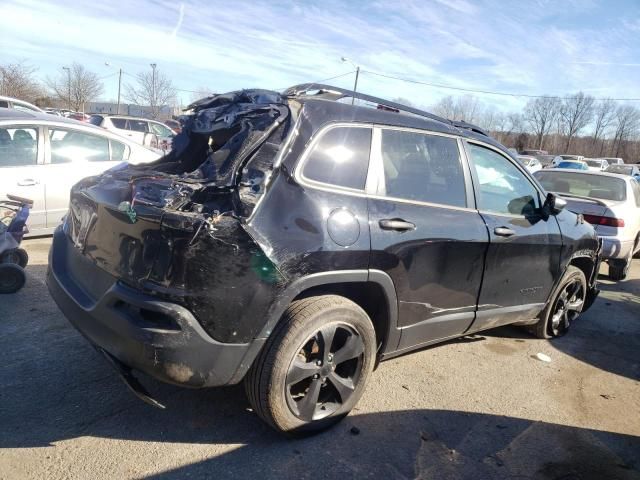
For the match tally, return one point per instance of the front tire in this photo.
(314, 367)
(564, 307)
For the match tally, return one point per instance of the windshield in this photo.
(584, 185)
(577, 165)
(594, 163)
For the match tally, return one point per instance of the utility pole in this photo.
(119, 85)
(68, 84)
(355, 84)
(153, 89)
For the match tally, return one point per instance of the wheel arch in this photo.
(372, 290)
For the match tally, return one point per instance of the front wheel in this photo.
(314, 367)
(564, 306)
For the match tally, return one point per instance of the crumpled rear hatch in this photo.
(176, 224)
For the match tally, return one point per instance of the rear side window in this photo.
(119, 151)
(95, 120)
(69, 146)
(120, 123)
(340, 157)
(138, 126)
(635, 186)
(421, 167)
(18, 146)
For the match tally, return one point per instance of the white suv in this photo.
(149, 133)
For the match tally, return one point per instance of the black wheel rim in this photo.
(324, 373)
(567, 307)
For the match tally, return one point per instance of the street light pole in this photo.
(68, 85)
(153, 89)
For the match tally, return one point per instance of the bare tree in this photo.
(17, 80)
(541, 113)
(466, 108)
(153, 89)
(76, 86)
(576, 112)
(604, 115)
(628, 123)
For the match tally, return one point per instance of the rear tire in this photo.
(12, 278)
(17, 256)
(314, 367)
(564, 306)
(618, 269)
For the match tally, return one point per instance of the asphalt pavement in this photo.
(481, 407)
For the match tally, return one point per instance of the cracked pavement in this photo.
(481, 407)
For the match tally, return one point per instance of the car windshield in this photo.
(594, 163)
(584, 185)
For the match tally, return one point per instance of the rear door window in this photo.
(340, 157)
(72, 146)
(18, 146)
(422, 167)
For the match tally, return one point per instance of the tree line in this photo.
(576, 124)
(75, 86)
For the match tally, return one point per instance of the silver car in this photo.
(149, 133)
(43, 156)
(610, 202)
(20, 105)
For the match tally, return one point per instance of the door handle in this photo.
(503, 231)
(27, 182)
(397, 224)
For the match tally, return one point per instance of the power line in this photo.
(323, 80)
(488, 92)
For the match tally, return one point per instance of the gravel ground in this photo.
(481, 407)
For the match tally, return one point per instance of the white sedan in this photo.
(42, 157)
(610, 202)
(530, 163)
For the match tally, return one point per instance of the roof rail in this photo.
(329, 92)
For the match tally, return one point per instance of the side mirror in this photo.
(554, 204)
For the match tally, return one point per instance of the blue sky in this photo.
(534, 47)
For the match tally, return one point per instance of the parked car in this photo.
(597, 164)
(141, 130)
(174, 125)
(293, 240)
(622, 169)
(17, 104)
(610, 202)
(534, 152)
(561, 158)
(545, 160)
(42, 156)
(53, 111)
(79, 116)
(573, 165)
(614, 160)
(531, 163)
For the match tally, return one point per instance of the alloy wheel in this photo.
(567, 307)
(324, 373)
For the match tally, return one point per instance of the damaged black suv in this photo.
(294, 240)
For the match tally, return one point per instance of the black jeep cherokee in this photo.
(293, 240)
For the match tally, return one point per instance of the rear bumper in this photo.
(613, 247)
(159, 338)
